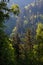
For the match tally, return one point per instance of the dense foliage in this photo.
(17, 50)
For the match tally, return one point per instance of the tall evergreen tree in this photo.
(39, 38)
(16, 45)
(38, 47)
(28, 47)
(6, 48)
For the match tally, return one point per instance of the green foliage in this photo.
(13, 52)
(15, 9)
(7, 53)
(39, 33)
(6, 49)
(38, 53)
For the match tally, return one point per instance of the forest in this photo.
(24, 44)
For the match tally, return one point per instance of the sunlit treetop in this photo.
(39, 32)
(15, 9)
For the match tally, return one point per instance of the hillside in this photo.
(11, 23)
(31, 15)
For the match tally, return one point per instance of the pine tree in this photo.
(6, 48)
(16, 45)
(28, 48)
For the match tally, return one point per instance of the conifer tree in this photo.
(6, 48)
(28, 47)
(16, 45)
(39, 38)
